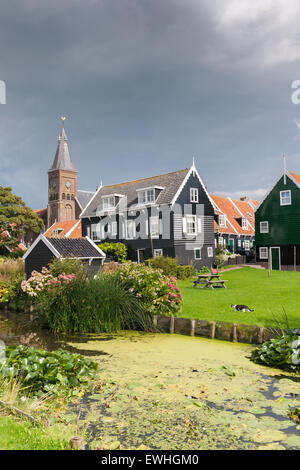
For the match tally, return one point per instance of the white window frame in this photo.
(282, 203)
(130, 236)
(194, 195)
(266, 229)
(114, 228)
(265, 255)
(189, 223)
(108, 202)
(157, 252)
(210, 252)
(222, 220)
(195, 250)
(247, 245)
(239, 243)
(244, 224)
(146, 196)
(154, 226)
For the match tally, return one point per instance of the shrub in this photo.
(67, 266)
(170, 267)
(158, 293)
(185, 272)
(43, 372)
(282, 352)
(88, 305)
(204, 270)
(115, 251)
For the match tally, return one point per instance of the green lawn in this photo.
(250, 286)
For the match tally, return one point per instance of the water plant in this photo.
(36, 371)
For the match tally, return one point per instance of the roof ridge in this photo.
(144, 179)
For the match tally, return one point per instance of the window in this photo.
(222, 220)
(244, 224)
(247, 245)
(221, 241)
(285, 198)
(57, 231)
(130, 229)
(197, 253)
(239, 243)
(96, 231)
(210, 252)
(264, 227)
(108, 202)
(158, 252)
(154, 226)
(114, 229)
(263, 252)
(191, 228)
(147, 196)
(194, 195)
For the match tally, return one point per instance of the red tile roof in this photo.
(234, 209)
(69, 229)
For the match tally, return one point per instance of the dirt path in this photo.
(174, 392)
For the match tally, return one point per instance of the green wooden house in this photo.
(277, 225)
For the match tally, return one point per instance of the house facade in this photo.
(277, 225)
(234, 223)
(170, 215)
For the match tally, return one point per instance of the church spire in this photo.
(62, 159)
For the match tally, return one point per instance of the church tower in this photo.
(62, 183)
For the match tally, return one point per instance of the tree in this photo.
(15, 218)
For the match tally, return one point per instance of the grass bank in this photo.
(265, 295)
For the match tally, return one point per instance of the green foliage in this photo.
(115, 250)
(185, 272)
(24, 435)
(282, 352)
(88, 305)
(170, 267)
(16, 218)
(204, 270)
(158, 293)
(10, 268)
(67, 266)
(15, 293)
(40, 372)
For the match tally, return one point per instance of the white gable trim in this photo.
(42, 238)
(96, 193)
(72, 229)
(287, 173)
(103, 255)
(243, 215)
(193, 168)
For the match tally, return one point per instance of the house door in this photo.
(231, 245)
(275, 258)
(141, 255)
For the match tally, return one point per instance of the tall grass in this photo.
(11, 268)
(91, 306)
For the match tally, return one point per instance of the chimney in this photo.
(243, 198)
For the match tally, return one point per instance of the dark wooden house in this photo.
(277, 225)
(170, 214)
(44, 250)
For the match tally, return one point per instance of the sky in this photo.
(146, 85)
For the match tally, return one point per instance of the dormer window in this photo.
(222, 220)
(147, 196)
(285, 198)
(108, 202)
(57, 231)
(244, 224)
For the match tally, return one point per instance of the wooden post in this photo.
(212, 329)
(260, 335)
(77, 443)
(295, 258)
(155, 320)
(172, 323)
(193, 324)
(234, 333)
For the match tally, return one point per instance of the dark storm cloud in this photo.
(145, 85)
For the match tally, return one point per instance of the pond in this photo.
(160, 391)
